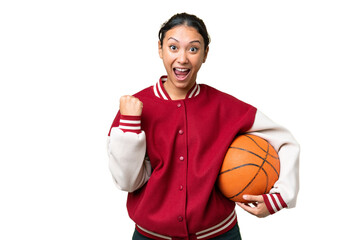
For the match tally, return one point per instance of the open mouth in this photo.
(181, 73)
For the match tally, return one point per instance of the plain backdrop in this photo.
(65, 64)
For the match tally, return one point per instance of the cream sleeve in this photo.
(128, 165)
(288, 150)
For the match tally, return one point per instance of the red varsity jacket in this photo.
(186, 141)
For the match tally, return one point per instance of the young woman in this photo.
(167, 143)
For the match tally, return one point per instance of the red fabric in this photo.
(268, 205)
(186, 143)
(272, 204)
(283, 204)
(190, 237)
(131, 121)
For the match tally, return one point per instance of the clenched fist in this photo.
(130, 105)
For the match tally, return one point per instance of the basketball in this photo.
(251, 167)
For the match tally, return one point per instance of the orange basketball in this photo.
(251, 166)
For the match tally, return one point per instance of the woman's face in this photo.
(183, 54)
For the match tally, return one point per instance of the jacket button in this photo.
(181, 158)
(180, 218)
(179, 105)
(181, 132)
(181, 187)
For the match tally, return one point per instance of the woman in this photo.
(167, 143)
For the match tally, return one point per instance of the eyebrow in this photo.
(194, 41)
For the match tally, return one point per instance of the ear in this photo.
(206, 53)
(160, 49)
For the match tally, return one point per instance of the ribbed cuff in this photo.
(130, 123)
(274, 202)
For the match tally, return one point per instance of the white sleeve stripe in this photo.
(272, 204)
(129, 127)
(277, 201)
(130, 121)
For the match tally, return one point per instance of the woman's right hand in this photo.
(130, 105)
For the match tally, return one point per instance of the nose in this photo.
(182, 57)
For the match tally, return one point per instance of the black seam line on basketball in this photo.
(257, 173)
(256, 165)
(242, 149)
(248, 136)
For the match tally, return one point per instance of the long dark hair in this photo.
(188, 20)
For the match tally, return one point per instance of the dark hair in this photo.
(187, 20)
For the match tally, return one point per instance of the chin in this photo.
(184, 84)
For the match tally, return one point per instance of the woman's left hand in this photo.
(260, 210)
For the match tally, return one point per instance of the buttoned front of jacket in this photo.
(186, 142)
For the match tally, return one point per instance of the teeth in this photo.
(181, 69)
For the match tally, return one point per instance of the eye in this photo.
(194, 49)
(173, 48)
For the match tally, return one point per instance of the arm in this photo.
(285, 190)
(126, 146)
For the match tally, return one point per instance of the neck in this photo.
(176, 93)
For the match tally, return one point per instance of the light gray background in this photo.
(64, 65)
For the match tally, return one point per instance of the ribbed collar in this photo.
(161, 93)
